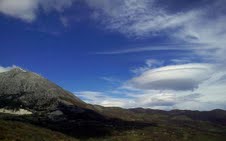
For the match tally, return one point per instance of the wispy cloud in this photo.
(138, 17)
(111, 80)
(27, 10)
(101, 98)
(166, 47)
(149, 63)
(144, 19)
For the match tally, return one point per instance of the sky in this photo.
(127, 53)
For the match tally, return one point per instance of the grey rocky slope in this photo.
(30, 91)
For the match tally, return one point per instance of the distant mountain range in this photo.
(33, 104)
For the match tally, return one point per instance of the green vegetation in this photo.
(171, 130)
(18, 131)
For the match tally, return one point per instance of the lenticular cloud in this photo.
(175, 77)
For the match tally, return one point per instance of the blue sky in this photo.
(128, 53)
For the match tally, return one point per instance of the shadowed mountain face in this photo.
(59, 110)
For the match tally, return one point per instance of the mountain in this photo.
(26, 90)
(34, 108)
(38, 101)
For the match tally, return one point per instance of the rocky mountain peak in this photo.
(21, 88)
(18, 69)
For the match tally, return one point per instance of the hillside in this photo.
(33, 108)
(19, 131)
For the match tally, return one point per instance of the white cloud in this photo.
(111, 80)
(23, 9)
(164, 47)
(184, 86)
(167, 100)
(210, 93)
(193, 85)
(64, 21)
(142, 18)
(58, 5)
(214, 88)
(147, 99)
(101, 98)
(150, 63)
(153, 62)
(138, 17)
(207, 93)
(181, 60)
(27, 10)
(174, 77)
(210, 32)
(156, 99)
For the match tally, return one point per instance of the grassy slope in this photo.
(17, 131)
(169, 128)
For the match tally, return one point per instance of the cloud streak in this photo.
(168, 47)
(101, 98)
